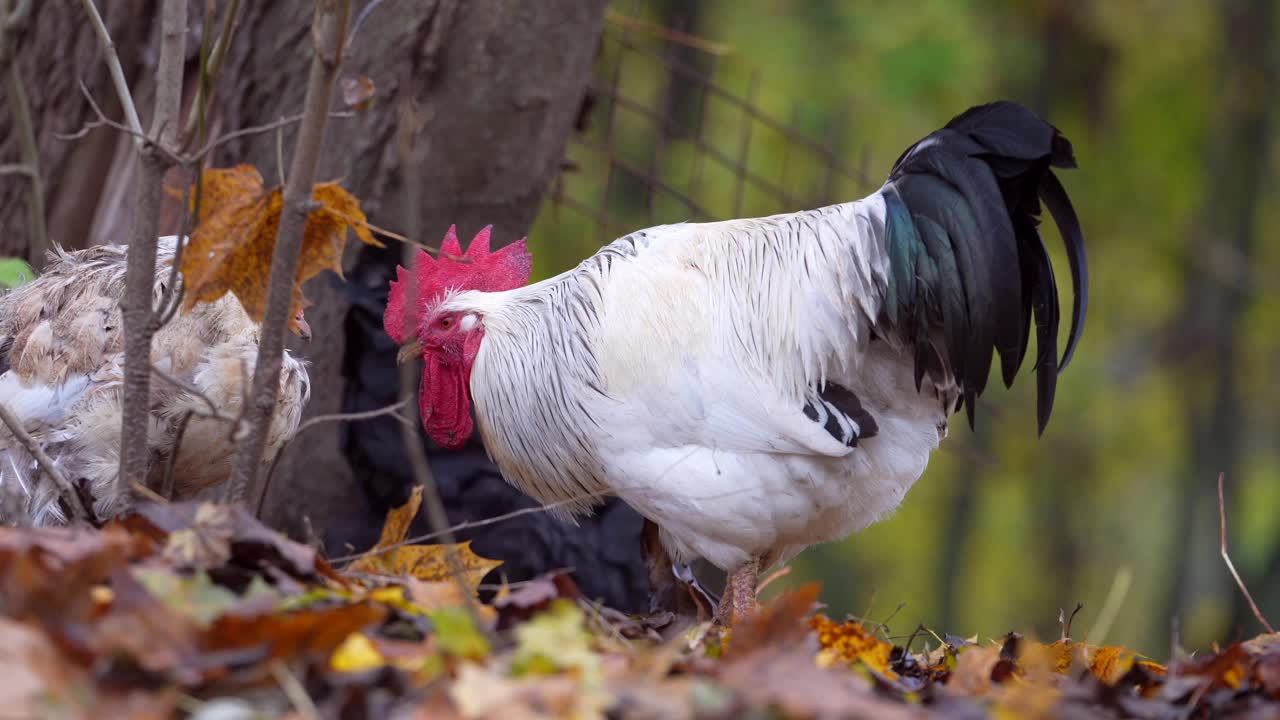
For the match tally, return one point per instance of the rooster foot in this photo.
(739, 599)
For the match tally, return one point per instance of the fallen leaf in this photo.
(356, 654)
(310, 631)
(231, 247)
(849, 642)
(207, 543)
(457, 635)
(47, 573)
(428, 563)
(197, 597)
(533, 596)
(37, 677)
(250, 546)
(554, 640)
(778, 623)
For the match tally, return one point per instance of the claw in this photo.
(684, 573)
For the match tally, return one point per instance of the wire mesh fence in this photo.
(672, 130)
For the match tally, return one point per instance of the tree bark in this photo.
(497, 86)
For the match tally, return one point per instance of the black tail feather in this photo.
(963, 206)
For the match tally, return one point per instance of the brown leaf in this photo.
(310, 631)
(357, 92)
(46, 573)
(781, 622)
(204, 528)
(36, 675)
(235, 236)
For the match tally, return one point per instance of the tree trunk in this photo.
(497, 84)
(86, 195)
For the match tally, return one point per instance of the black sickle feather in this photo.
(962, 208)
(1064, 215)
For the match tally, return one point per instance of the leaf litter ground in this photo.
(197, 610)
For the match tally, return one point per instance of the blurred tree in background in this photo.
(1170, 106)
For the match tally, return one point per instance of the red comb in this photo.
(477, 269)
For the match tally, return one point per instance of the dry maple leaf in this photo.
(429, 563)
(235, 236)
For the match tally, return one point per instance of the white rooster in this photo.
(61, 374)
(757, 386)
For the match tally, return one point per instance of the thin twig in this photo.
(674, 36)
(1222, 522)
(468, 525)
(293, 690)
(212, 58)
(347, 417)
(335, 417)
(1111, 606)
(112, 60)
(214, 413)
(257, 130)
(65, 488)
(412, 160)
(168, 485)
(144, 141)
(16, 169)
(148, 493)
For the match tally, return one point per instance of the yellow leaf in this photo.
(356, 654)
(849, 642)
(429, 563)
(235, 236)
(396, 527)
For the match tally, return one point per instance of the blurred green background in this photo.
(1170, 106)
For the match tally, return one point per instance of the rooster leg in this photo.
(739, 599)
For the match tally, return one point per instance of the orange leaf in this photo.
(235, 236)
(850, 642)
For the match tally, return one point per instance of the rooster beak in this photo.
(409, 352)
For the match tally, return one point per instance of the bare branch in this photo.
(140, 270)
(16, 169)
(144, 141)
(168, 484)
(112, 60)
(335, 417)
(210, 71)
(448, 532)
(330, 27)
(257, 130)
(1222, 523)
(213, 413)
(65, 487)
(412, 156)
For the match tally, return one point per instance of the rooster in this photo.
(757, 386)
(61, 374)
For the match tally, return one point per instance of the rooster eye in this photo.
(446, 323)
